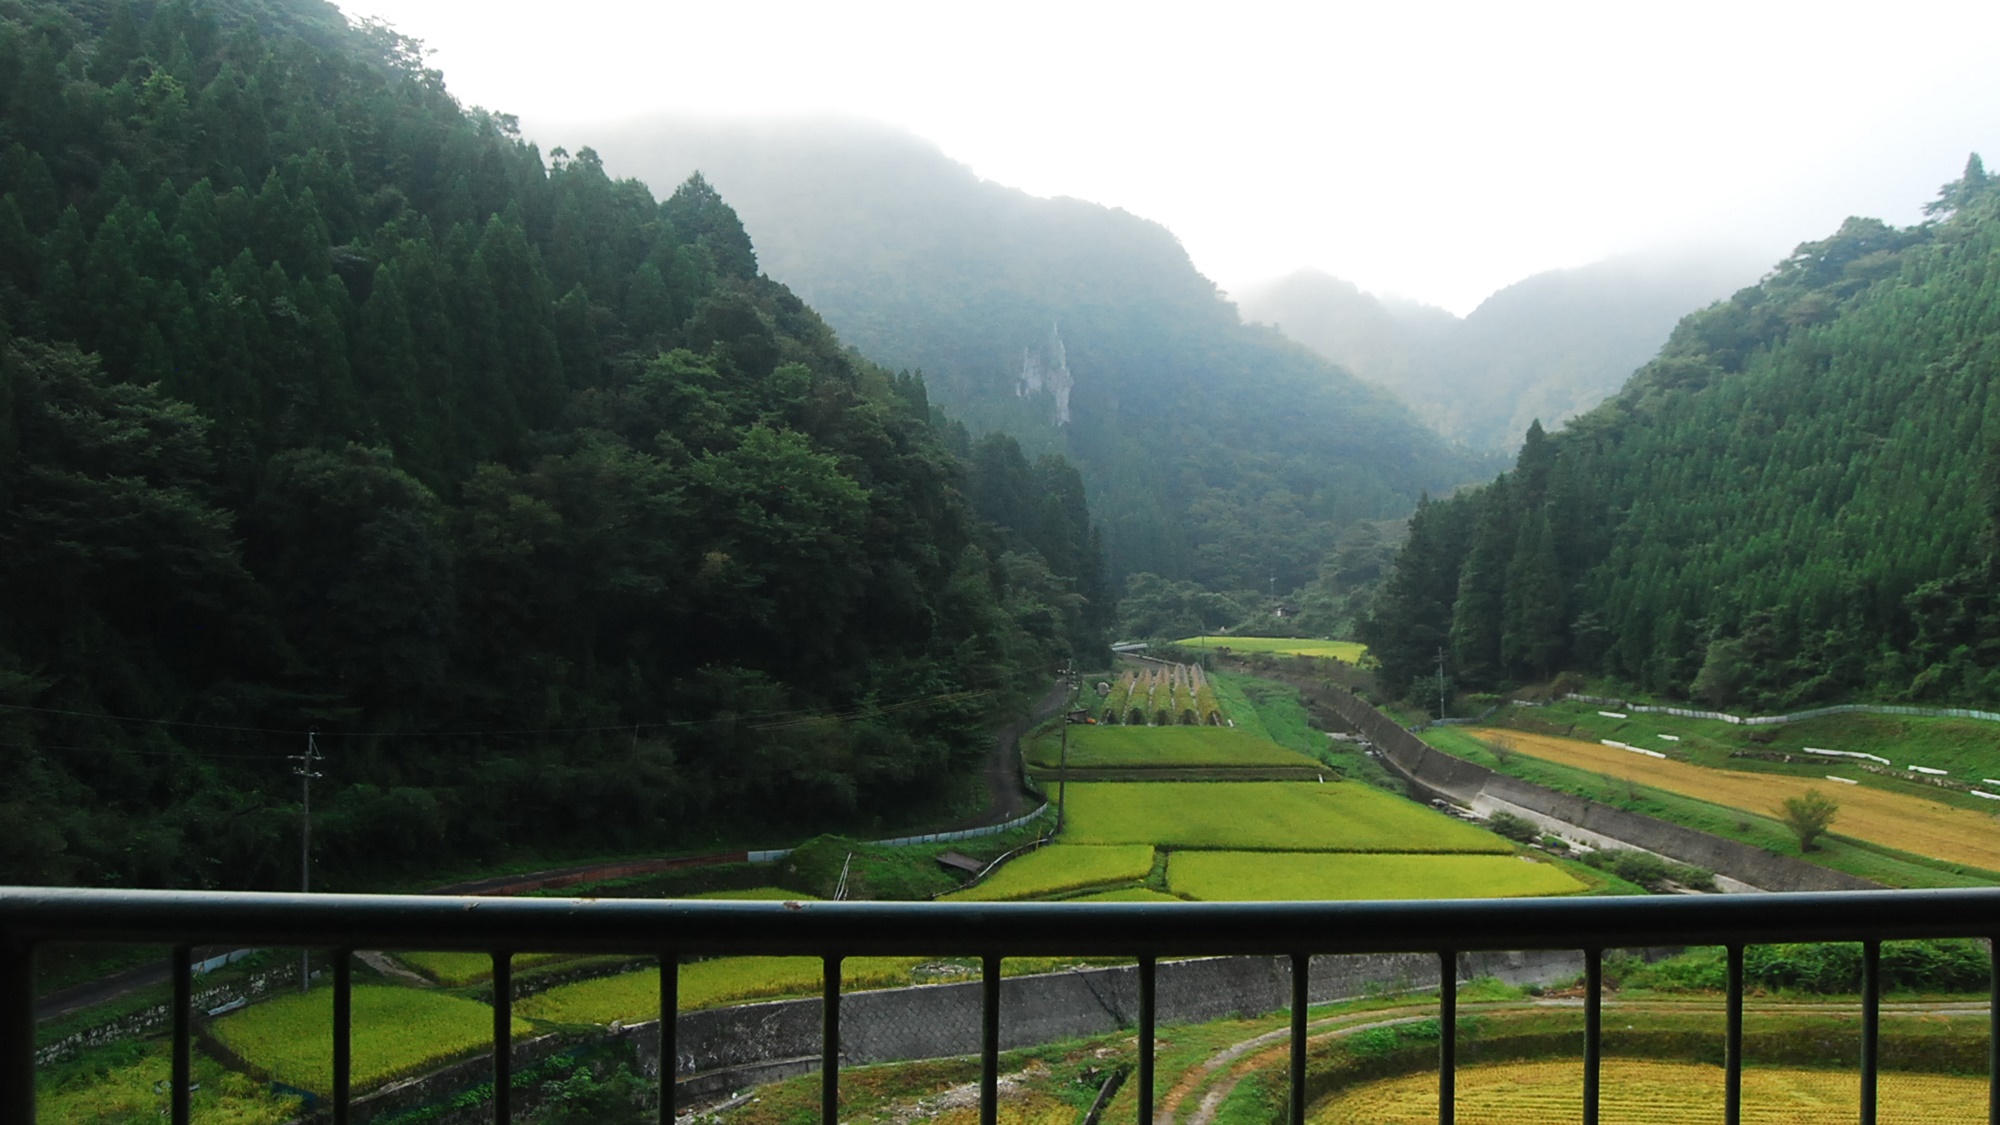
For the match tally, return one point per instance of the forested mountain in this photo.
(1214, 452)
(1547, 347)
(1796, 501)
(328, 405)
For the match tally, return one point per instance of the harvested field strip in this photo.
(398, 1032)
(1162, 747)
(1062, 867)
(1280, 876)
(1265, 816)
(1892, 820)
(1645, 1091)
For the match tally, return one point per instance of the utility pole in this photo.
(1062, 774)
(1440, 683)
(305, 773)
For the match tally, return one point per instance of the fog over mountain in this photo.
(1078, 328)
(1548, 347)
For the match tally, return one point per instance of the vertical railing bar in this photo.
(1993, 1034)
(1301, 992)
(503, 1037)
(343, 1032)
(989, 1041)
(1149, 979)
(670, 1014)
(1732, 1046)
(1593, 1029)
(17, 1030)
(183, 1065)
(1447, 1037)
(829, 1052)
(1871, 1018)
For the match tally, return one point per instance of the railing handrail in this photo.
(51, 914)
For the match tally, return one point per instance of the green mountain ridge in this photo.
(1796, 501)
(328, 405)
(1213, 451)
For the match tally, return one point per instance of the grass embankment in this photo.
(1349, 652)
(1109, 747)
(1647, 1092)
(126, 1084)
(397, 1032)
(1274, 816)
(1959, 836)
(1284, 876)
(1758, 829)
(1059, 868)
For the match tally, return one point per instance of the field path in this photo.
(1877, 816)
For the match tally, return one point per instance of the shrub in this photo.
(1513, 827)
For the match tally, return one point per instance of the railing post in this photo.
(1593, 1029)
(1871, 1022)
(343, 1032)
(1732, 1046)
(183, 1066)
(1301, 991)
(989, 1041)
(17, 1030)
(670, 1015)
(1148, 1013)
(1993, 1035)
(829, 1050)
(1447, 1038)
(503, 1037)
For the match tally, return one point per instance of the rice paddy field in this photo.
(1286, 876)
(1647, 1092)
(397, 1032)
(456, 970)
(1349, 651)
(1061, 867)
(1281, 816)
(1880, 816)
(1125, 747)
(708, 984)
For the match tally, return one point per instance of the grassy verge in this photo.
(125, 1084)
(1093, 747)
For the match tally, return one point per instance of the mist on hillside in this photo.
(1548, 347)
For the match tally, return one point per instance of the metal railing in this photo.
(31, 917)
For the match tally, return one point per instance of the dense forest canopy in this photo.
(327, 404)
(1215, 453)
(1797, 501)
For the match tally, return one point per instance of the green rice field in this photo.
(708, 984)
(1104, 747)
(397, 1032)
(1284, 816)
(1127, 894)
(1061, 867)
(456, 970)
(1349, 651)
(1278, 877)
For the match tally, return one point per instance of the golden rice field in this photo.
(1283, 816)
(397, 1032)
(708, 984)
(1643, 1092)
(1349, 651)
(1061, 867)
(455, 970)
(1878, 816)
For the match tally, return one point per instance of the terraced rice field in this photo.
(1265, 816)
(455, 970)
(397, 1032)
(1349, 651)
(1062, 867)
(708, 984)
(1282, 877)
(1109, 747)
(1878, 816)
(1643, 1092)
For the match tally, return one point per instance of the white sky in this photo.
(1432, 150)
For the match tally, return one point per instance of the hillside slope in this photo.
(1212, 450)
(328, 406)
(1795, 501)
